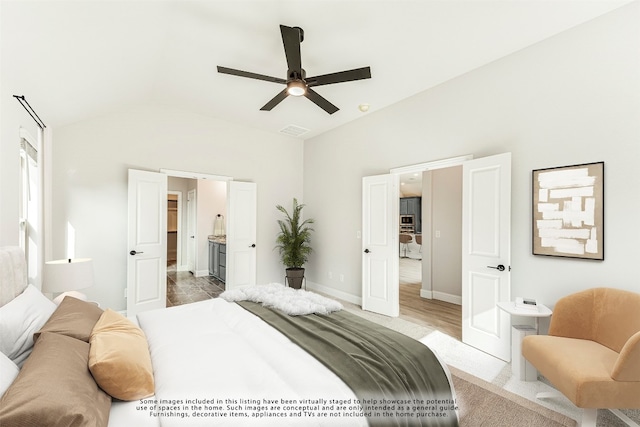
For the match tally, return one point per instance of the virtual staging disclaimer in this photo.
(383, 410)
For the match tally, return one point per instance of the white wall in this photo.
(574, 98)
(91, 159)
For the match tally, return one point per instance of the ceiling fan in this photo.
(298, 84)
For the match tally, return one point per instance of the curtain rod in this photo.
(23, 101)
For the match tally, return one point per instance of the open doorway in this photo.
(430, 248)
(147, 227)
(174, 231)
(190, 234)
(485, 243)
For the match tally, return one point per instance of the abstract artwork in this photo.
(568, 211)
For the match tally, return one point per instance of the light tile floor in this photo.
(184, 288)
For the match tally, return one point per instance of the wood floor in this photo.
(184, 288)
(441, 315)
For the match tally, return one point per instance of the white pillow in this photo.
(20, 319)
(9, 372)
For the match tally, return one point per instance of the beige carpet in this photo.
(483, 404)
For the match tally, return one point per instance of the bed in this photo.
(209, 363)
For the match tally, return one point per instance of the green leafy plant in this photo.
(294, 237)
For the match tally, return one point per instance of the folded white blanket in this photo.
(294, 302)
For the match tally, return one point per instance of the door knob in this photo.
(366, 251)
(135, 252)
(500, 267)
(252, 246)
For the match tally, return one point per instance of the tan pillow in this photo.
(55, 388)
(74, 318)
(119, 358)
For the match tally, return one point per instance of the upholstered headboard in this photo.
(13, 273)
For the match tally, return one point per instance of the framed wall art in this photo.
(568, 211)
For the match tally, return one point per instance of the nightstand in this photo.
(520, 367)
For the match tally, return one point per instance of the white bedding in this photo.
(215, 350)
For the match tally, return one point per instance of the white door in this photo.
(241, 234)
(380, 256)
(147, 239)
(192, 218)
(486, 238)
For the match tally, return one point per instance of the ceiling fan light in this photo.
(296, 88)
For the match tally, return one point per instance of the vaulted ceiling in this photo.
(78, 59)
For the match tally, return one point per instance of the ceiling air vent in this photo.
(293, 130)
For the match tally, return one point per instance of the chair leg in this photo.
(549, 394)
(589, 417)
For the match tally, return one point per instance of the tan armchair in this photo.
(592, 352)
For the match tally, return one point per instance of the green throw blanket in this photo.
(398, 380)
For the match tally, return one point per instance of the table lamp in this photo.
(67, 276)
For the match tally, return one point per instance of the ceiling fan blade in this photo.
(240, 73)
(320, 101)
(275, 100)
(291, 39)
(339, 77)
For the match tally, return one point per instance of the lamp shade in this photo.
(67, 275)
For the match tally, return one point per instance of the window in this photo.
(30, 207)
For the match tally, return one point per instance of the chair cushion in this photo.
(581, 370)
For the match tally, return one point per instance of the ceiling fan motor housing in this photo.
(301, 32)
(300, 74)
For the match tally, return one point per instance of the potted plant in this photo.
(293, 243)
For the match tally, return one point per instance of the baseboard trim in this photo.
(443, 296)
(426, 294)
(201, 273)
(334, 293)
